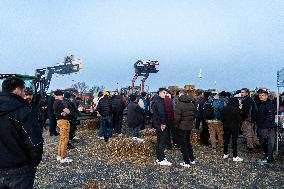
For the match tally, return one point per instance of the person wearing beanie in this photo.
(134, 117)
(61, 113)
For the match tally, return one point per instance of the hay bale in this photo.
(189, 87)
(123, 148)
(89, 124)
(147, 132)
(173, 89)
(195, 136)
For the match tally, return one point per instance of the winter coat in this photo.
(105, 106)
(118, 105)
(199, 107)
(231, 115)
(134, 115)
(159, 112)
(21, 141)
(185, 113)
(265, 118)
(249, 109)
(218, 106)
(169, 108)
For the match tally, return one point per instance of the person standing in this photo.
(184, 123)
(105, 110)
(72, 118)
(170, 121)
(215, 122)
(61, 113)
(231, 123)
(21, 142)
(134, 117)
(51, 116)
(204, 135)
(143, 103)
(159, 123)
(265, 121)
(101, 129)
(118, 106)
(249, 111)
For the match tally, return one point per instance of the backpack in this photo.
(208, 111)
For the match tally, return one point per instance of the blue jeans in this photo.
(107, 126)
(135, 132)
(101, 128)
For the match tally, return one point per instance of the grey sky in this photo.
(236, 43)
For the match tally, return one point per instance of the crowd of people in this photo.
(220, 117)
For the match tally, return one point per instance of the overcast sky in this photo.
(237, 43)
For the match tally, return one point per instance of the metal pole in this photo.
(277, 121)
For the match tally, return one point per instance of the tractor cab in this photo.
(30, 81)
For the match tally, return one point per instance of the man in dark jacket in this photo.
(199, 104)
(118, 106)
(62, 113)
(72, 118)
(159, 122)
(231, 123)
(21, 142)
(134, 117)
(185, 120)
(249, 110)
(105, 110)
(265, 121)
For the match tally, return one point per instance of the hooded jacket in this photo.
(185, 113)
(21, 141)
(118, 105)
(231, 115)
(134, 115)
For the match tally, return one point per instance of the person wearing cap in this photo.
(159, 122)
(61, 113)
(265, 121)
(105, 110)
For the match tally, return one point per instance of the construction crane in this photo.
(143, 68)
(68, 66)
